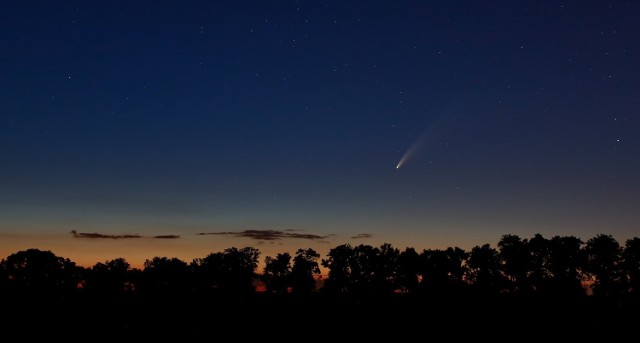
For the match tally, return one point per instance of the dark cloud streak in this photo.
(166, 236)
(267, 235)
(95, 235)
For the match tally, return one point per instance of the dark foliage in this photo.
(524, 283)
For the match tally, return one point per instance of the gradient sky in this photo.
(160, 120)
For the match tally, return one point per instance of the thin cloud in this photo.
(166, 236)
(362, 235)
(267, 235)
(95, 235)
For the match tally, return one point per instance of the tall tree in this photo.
(366, 269)
(163, 274)
(305, 268)
(457, 258)
(277, 272)
(516, 262)
(4, 278)
(604, 265)
(339, 262)
(111, 276)
(484, 269)
(362, 269)
(442, 271)
(385, 269)
(539, 274)
(632, 264)
(40, 271)
(565, 261)
(435, 270)
(409, 266)
(231, 270)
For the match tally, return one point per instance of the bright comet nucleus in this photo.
(413, 149)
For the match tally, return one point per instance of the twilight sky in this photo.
(154, 129)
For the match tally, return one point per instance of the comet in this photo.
(410, 152)
(441, 125)
(421, 142)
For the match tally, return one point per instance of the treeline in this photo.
(558, 266)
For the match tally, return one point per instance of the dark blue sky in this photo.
(155, 118)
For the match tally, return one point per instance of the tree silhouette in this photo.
(385, 270)
(516, 262)
(339, 263)
(408, 274)
(40, 271)
(4, 278)
(229, 271)
(435, 270)
(539, 275)
(564, 263)
(363, 269)
(276, 273)
(603, 265)
(547, 268)
(442, 271)
(484, 269)
(110, 277)
(631, 262)
(363, 264)
(457, 264)
(526, 283)
(166, 275)
(305, 266)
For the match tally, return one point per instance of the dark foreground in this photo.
(315, 317)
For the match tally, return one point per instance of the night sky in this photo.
(155, 129)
